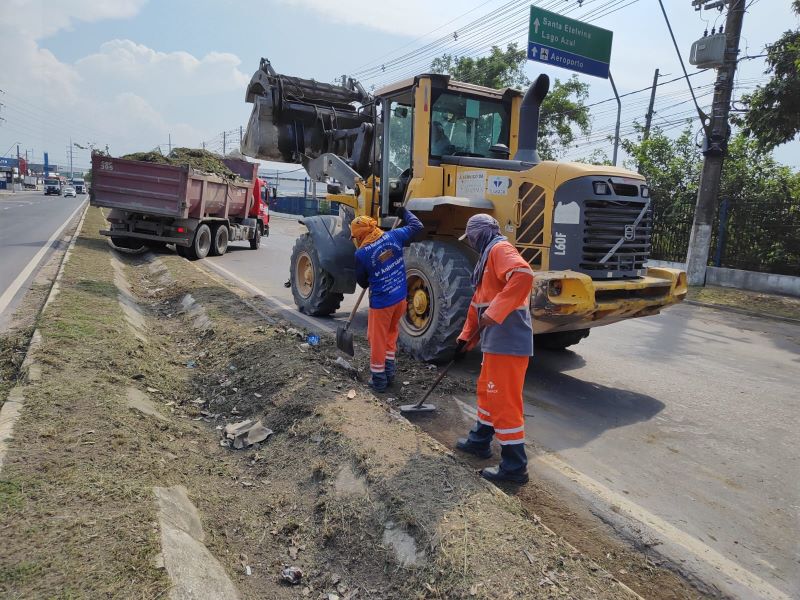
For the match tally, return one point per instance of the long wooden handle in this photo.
(444, 372)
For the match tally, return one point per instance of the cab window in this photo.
(465, 126)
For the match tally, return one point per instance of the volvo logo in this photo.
(630, 233)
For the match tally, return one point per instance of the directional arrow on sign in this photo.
(536, 25)
(533, 52)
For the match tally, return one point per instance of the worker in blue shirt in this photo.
(380, 266)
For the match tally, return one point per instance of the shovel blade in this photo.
(417, 408)
(344, 340)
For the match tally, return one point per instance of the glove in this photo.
(461, 350)
(400, 211)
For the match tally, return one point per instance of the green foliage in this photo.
(772, 116)
(501, 69)
(564, 113)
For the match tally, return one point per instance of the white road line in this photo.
(269, 298)
(632, 510)
(15, 286)
(694, 546)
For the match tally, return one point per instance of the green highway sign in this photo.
(562, 34)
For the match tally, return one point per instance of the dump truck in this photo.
(158, 204)
(449, 150)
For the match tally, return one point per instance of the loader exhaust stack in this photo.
(529, 119)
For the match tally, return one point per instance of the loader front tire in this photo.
(559, 340)
(311, 285)
(439, 293)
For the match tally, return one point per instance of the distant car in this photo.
(70, 191)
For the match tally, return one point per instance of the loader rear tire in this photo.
(439, 293)
(559, 340)
(311, 284)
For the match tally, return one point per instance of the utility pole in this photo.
(224, 143)
(714, 150)
(240, 136)
(71, 174)
(169, 142)
(649, 117)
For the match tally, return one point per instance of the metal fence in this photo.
(751, 235)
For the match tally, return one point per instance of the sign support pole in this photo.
(619, 116)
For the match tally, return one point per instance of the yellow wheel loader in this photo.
(450, 150)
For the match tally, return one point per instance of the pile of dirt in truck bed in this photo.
(197, 159)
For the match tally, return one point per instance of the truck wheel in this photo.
(201, 244)
(311, 284)
(559, 340)
(255, 243)
(439, 293)
(219, 245)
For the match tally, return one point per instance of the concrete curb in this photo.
(742, 311)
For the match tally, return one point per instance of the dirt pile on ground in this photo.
(200, 160)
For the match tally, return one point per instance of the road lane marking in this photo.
(15, 286)
(703, 552)
(269, 298)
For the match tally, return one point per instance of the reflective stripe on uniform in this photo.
(512, 430)
(520, 270)
(479, 304)
(484, 411)
(484, 422)
(510, 442)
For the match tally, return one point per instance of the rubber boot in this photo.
(478, 442)
(513, 466)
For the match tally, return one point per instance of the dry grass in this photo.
(755, 302)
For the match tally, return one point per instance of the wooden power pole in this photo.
(715, 146)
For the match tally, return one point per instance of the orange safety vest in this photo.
(503, 294)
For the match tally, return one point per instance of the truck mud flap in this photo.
(331, 237)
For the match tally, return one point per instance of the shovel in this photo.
(344, 337)
(421, 407)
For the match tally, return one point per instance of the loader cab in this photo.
(430, 121)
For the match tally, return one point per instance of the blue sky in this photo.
(132, 73)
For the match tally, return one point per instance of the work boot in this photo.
(479, 450)
(379, 382)
(497, 475)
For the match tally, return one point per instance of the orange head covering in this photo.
(365, 230)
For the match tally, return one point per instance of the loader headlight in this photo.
(601, 188)
(554, 288)
(645, 191)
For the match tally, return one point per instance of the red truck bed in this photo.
(170, 191)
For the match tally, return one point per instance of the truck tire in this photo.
(255, 243)
(439, 293)
(559, 340)
(311, 284)
(219, 240)
(201, 243)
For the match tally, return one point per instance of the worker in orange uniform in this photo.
(499, 317)
(380, 266)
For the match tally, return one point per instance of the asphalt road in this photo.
(681, 429)
(28, 221)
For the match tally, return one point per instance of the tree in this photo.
(563, 112)
(772, 116)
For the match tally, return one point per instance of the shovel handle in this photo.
(443, 373)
